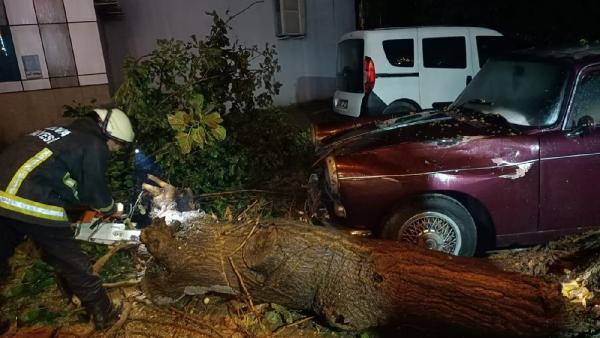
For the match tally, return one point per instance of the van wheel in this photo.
(436, 222)
(401, 106)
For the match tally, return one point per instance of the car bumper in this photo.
(327, 210)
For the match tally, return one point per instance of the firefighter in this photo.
(51, 170)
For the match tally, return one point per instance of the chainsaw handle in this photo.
(97, 222)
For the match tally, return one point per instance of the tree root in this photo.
(104, 259)
(119, 324)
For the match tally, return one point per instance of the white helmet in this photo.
(115, 124)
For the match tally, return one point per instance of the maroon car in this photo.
(512, 161)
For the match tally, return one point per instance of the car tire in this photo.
(434, 221)
(400, 106)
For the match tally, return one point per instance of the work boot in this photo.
(104, 319)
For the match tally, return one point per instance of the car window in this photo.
(400, 53)
(447, 52)
(350, 66)
(526, 93)
(489, 46)
(587, 99)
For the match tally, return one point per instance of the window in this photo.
(9, 68)
(445, 52)
(526, 93)
(587, 99)
(489, 46)
(400, 53)
(350, 66)
(289, 18)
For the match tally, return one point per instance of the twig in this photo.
(298, 322)
(119, 324)
(131, 282)
(243, 285)
(243, 10)
(217, 194)
(104, 259)
(239, 217)
(245, 240)
(195, 321)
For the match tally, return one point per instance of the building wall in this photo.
(50, 56)
(307, 63)
(23, 112)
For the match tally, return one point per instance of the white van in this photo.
(394, 70)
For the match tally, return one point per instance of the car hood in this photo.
(441, 128)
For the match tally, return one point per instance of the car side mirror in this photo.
(585, 125)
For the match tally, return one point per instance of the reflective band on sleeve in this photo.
(25, 169)
(72, 184)
(31, 208)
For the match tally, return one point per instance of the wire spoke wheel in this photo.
(432, 230)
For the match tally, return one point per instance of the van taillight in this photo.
(369, 75)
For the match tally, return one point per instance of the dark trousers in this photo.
(62, 252)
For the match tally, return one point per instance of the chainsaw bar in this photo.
(106, 233)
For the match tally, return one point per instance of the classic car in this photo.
(512, 161)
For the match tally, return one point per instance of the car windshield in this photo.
(525, 93)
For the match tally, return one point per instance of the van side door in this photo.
(445, 63)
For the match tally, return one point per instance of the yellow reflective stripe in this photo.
(26, 168)
(31, 208)
(108, 208)
(71, 183)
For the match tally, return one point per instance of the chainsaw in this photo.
(94, 227)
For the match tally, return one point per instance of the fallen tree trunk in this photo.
(351, 283)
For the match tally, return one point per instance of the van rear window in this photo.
(350, 66)
(445, 52)
(400, 53)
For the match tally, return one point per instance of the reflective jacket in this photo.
(53, 168)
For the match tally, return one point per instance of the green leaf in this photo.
(199, 136)
(31, 315)
(197, 102)
(179, 120)
(273, 318)
(185, 142)
(14, 292)
(219, 133)
(212, 120)
(209, 108)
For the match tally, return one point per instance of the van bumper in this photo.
(358, 104)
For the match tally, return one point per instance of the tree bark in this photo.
(351, 283)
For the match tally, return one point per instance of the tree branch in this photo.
(243, 10)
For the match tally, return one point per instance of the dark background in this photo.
(527, 23)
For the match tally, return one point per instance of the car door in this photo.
(570, 163)
(446, 64)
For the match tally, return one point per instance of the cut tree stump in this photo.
(351, 283)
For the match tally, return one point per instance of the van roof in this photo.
(387, 30)
(431, 26)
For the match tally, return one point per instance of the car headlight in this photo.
(332, 176)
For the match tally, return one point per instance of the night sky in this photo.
(528, 23)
